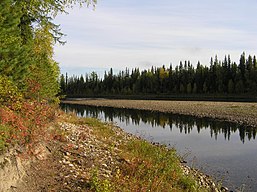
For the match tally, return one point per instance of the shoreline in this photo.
(235, 112)
(93, 156)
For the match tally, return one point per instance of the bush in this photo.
(13, 127)
(21, 121)
(28, 125)
(4, 135)
(9, 94)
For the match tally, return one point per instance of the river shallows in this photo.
(224, 150)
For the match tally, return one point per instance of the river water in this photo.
(226, 151)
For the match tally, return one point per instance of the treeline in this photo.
(220, 77)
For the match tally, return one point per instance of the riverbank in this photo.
(236, 112)
(88, 155)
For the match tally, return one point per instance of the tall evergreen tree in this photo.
(242, 67)
(14, 60)
(63, 86)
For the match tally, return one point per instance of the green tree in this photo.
(14, 60)
(195, 88)
(27, 36)
(205, 88)
(181, 88)
(63, 84)
(44, 72)
(184, 79)
(189, 88)
(38, 13)
(255, 62)
(239, 87)
(231, 86)
(242, 66)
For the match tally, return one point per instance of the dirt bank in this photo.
(242, 113)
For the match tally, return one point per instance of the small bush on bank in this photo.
(25, 125)
(4, 136)
(9, 94)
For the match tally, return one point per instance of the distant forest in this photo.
(220, 77)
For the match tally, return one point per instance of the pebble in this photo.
(93, 153)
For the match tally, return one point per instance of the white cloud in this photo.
(119, 36)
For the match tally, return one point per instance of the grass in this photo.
(142, 167)
(135, 165)
(151, 168)
(98, 185)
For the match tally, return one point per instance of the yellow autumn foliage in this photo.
(9, 94)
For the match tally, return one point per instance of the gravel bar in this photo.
(237, 112)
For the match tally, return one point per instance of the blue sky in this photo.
(133, 33)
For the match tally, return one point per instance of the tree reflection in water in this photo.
(184, 123)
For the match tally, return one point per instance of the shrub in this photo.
(27, 125)
(17, 129)
(4, 135)
(9, 94)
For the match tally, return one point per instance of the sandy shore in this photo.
(242, 113)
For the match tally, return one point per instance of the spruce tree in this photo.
(14, 60)
(242, 67)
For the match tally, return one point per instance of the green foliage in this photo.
(151, 168)
(27, 36)
(9, 94)
(231, 87)
(239, 87)
(28, 73)
(41, 13)
(221, 77)
(99, 185)
(44, 72)
(189, 88)
(14, 56)
(4, 136)
(62, 84)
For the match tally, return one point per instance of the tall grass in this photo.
(151, 168)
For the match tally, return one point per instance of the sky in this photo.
(144, 33)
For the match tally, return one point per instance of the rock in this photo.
(93, 153)
(225, 189)
(40, 151)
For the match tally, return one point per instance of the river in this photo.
(225, 151)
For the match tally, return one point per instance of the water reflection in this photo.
(185, 124)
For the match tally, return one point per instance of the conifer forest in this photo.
(219, 77)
